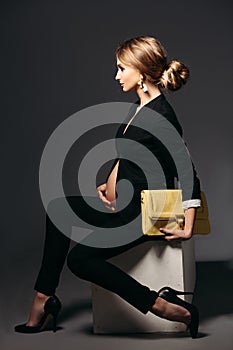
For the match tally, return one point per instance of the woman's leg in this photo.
(56, 246)
(90, 264)
(55, 251)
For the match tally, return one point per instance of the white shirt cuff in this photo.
(191, 203)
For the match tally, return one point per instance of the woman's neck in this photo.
(145, 97)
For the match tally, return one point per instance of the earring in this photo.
(142, 85)
(145, 88)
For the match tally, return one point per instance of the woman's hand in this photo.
(176, 234)
(111, 206)
(101, 190)
(187, 232)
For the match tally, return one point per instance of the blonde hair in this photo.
(147, 54)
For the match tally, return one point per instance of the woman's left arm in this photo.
(187, 232)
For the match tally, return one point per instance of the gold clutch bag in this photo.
(163, 208)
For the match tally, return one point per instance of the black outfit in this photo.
(89, 262)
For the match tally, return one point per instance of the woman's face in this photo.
(127, 76)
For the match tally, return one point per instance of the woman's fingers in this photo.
(102, 187)
(173, 237)
(101, 190)
(101, 193)
(110, 207)
(174, 234)
(103, 198)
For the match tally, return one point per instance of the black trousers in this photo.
(90, 262)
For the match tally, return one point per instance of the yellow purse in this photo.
(163, 208)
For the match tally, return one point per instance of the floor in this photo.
(214, 297)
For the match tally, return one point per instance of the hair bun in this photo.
(174, 76)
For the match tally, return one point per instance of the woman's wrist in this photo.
(190, 214)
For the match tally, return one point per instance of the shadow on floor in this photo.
(214, 289)
(72, 310)
(87, 329)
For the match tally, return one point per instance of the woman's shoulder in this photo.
(161, 105)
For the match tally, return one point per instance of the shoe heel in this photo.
(170, 295)
(52, 308)
(54, 324)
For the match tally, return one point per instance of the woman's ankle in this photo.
(41, 296)
(159, 307)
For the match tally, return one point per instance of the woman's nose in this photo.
(117, 76)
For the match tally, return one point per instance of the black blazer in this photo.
(153, 155)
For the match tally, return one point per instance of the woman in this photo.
(142, 67)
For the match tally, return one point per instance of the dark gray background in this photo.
(57, 57)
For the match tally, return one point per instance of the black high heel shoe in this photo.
(51, 310)
(170, 295)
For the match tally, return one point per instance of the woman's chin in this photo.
(124, 89)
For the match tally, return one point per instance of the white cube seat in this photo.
(155, 264)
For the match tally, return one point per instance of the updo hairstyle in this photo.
(146, 54)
